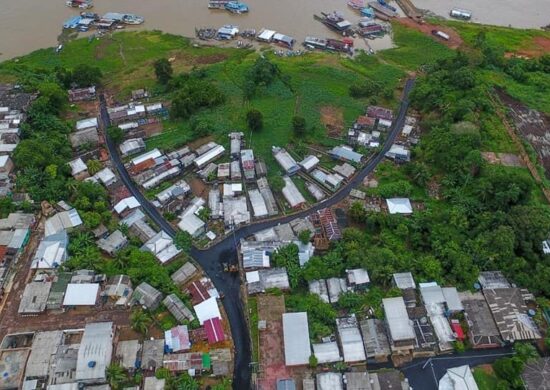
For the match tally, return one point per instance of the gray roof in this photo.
(147, 295)
(398, 319)
(358, 380)
(329, 381)
(327, 352)
(44, 345)
(96, 346)
(404, 280)
(374, 338)
(350, 339)
(536, 374)
(153, 353)
(296, 339)
(493, 279)
(345, 153)
(35, 297)
(128, 352)
(113, 243)
(178, 308)
(482, 327)
(184, 273)
(452, 299)
(286, 384)
(261, 280)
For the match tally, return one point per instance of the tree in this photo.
(526, 352)
(53, 96)
(254, 120)
(277, 183)
(140, 321)
(313, 361)
(85, 75)
(287, 257)
(163, 70)
(186, 382)
(205, 213)
(183, 241)
(116, 376)
(299, 126)
(94, 166)
(116, 134)
(357, 212)
(304, 236)
(510, 370)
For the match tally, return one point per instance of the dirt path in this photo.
(454, 42)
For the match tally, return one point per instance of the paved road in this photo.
(226, 251)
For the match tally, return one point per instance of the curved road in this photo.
(225, 251)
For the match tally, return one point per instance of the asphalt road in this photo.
(226, 250)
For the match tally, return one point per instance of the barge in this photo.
(335, 21)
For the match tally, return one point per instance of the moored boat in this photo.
(335, 21)
(236, 7)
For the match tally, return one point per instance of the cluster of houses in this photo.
(14, 103)
(74, 359)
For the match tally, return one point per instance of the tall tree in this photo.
(163, 70)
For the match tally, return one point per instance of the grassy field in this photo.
(484, 380)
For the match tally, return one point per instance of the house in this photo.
(375, 340)
(265, 190)
(345, 153)
(434, 301)
(81, 94)
(162, 247)
(482, 329)
(285, 160)
(153, 354)
(214, 330)
(176, 191)
(209, 156)
(86, 136)
(177, 339)
(493, 279)
(291, 193)
(350, 339)
(261, 280)
(65, 220)
(138, 94)
(296, 339)
(94, 353)
(510, 313)
(125, 204)
(283, 40)
(187, 362)
(329, 381)
(261, 169)
(86, 123)
(336, 287)
(235, 211)
(309, 163)
(327, 352)
(161, 176)
(128, 353)
(458, 378)
(333, 181)
(106, 177)
(235, 143)
(51, 252)
(81, 294)
(404, 281)
(44, 345)
(224, 171)
(137, 161)
(315, 191)
(232, 189)
(236, 173)
(399, 153)
(118, 288)
(259, 207)
(113, 242)
(379, 113)
(177, 308)
(256, 254)
(358, 380)
(399, 206)
(207, 309)
(34, 298)
(190, 222)
(401, 332)
(132, 146)
(346, 170)
(247, 162)
(208, 173)
(389, 380)
(184, 273)
(79, 170)
(152, 383)
(146, 295)
(358, 278)
(536, 374)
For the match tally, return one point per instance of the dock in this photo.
(410, 10)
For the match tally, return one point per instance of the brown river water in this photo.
(27, 25)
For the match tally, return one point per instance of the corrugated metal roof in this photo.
(296, 339)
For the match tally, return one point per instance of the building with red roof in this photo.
(214, 330)
(457, 329)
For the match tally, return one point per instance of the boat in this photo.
(217, 4)
(283, 40)
(227, 32)
(82, 4)
(384, 4)
(344, 46)
(236, 7)
(335, 21)
(314, 42)
(462, 14)
(123, 18)
(380, 9)
(372, 30)
(248, 33)
(206, 33)
(356, 4)
(72, 22)
(367, 12)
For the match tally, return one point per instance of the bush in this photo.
(163, 70)
(254, 120)
(366, 89)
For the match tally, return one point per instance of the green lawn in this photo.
(484, 380)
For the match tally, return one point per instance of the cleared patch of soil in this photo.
(454, 42)
(333, 119)
(506, 159)
(539, 47)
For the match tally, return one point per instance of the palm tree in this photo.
(94, 166)
(116, 376)
(140, 321)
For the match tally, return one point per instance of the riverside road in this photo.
(225, 251)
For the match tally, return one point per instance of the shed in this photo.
(296, 339)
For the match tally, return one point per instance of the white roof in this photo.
(126, 203)
(252, 276)
(404, 280)
(162, 246)
(212, 154)
(258, 203)
(458, 378)
(106, 176)
(86, 123)
(291, 193)
(452, 298)
(77, 166)
(351, 340)
(191, 224)
(327, 352)
(152, 154)
(207, 309)
(399, 206)
(398, 319)
(296, 339)
(96, 346)
(81, 294)
(62, 221)
(128, 126)
(309, 162)
(358, 276)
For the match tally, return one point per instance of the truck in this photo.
(441, 34)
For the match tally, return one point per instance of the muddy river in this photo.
(26, 25)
